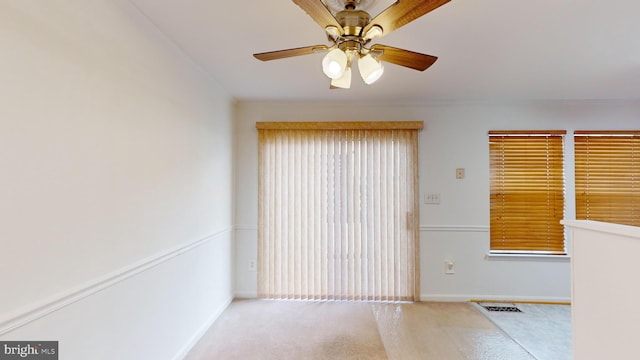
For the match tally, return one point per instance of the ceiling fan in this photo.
(350, 31)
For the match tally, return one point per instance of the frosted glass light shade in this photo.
(344, 81)
(374, 32)
(334, 64)
(370, 69)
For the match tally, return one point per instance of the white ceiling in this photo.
(487, 49)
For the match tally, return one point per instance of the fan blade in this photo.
(281, 54)
(401, 13)
(319, 13)
(402, 57)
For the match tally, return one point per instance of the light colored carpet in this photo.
(544, 330)
(443, 331)
(266, 329)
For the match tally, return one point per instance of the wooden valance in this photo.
(341, 125)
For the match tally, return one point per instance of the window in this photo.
(338, 210)
(527, 192)
(607, 170)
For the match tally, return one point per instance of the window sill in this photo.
(527, 257)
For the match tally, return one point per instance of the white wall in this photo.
(455, 136)
(115, 184)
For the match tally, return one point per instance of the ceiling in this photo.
(486, 49)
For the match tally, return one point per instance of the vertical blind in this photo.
(607, 170)
(527, 191)
(337, 211)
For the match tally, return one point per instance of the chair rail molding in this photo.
(40, 309)
(454, 228)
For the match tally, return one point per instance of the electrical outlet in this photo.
(460, 173)
(253, 265)
(449, 267)
(432, 198)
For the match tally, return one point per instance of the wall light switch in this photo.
(460, 173)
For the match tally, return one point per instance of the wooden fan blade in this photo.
(281, 54)
(401, 13)
(402, 57)
(319, 13)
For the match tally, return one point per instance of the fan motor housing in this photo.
(350, 44)
(352, 21)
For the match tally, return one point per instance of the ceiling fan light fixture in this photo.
(374, 32)
(332, 32)
(370, 69)
(344, 82)
(334, 63)
(350, 28)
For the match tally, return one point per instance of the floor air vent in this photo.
(499, 307)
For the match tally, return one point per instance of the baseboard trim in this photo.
(535, 302)
(202, 330)
(35, 311)
(445, 298)
(495, 298)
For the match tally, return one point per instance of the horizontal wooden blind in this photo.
(337, 214)
(527, 191)
(607, 170)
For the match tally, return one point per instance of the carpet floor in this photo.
(543, 330)
(266, 329)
